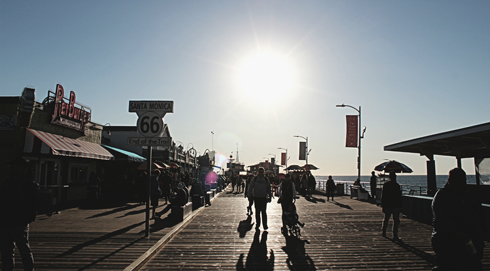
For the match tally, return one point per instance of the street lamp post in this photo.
(307, 151)
(361, 136)
(286, 155)
(212, 140)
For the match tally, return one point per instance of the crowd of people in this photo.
(458, 235)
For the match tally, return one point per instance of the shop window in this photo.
(79, 173)
(48, 174)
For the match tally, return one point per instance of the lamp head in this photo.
(340, 105)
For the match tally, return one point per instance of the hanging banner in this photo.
(302, 150)
(351, 137)
(283, 159)
(266, 165)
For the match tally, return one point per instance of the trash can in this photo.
(340, 189)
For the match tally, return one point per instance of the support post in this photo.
(431, 178)
(147, 220)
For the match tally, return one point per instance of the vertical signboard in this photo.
(283, 159)
(302, 150)
(351, 135)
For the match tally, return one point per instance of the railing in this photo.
(406, 188)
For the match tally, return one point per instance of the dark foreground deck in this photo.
(343, 235)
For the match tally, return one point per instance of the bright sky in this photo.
(256, 73)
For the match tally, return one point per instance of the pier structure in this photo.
(338, 235)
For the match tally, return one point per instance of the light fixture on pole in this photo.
(361, 136)
(306, 149)
(286, 159)
(212, 140)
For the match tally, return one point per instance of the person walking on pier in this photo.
(330, 188)
(372, 184)
(459, 226)
(391, 202)
(287, 192)
(260, 188)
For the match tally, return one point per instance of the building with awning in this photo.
(471, 142)
(47, 143)
(57, 138)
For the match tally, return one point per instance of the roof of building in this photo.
(473, 141)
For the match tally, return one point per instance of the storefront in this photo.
(58, 139)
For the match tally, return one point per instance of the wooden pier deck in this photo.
(343, 235)
(340, 235)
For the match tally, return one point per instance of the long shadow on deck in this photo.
(315, 200)
(99, 239)
(422, 254)
(257, 258)
(342, 205)
(298, 259)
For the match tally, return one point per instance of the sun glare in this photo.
(265, 76)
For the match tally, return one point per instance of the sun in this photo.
(265, 76)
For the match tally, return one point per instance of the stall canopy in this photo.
(43, 142)
(467, 142)
(124, 155)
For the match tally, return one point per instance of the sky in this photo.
(257, 73)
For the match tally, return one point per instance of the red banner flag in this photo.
(266, 165)
(351, 138)
(283, 159)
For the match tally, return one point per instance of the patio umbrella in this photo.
(144, 166)
(162, 164)
(309, 167)
(393, 166)
(293, 167)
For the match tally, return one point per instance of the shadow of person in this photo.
(342, 205)
(297, 259)
(314, 200)
(244, 226)
(257, 258)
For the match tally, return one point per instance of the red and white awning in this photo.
(43, 142)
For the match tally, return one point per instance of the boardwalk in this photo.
(342, 235)
(338, 235)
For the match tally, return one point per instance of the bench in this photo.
(360, 194)
(179, 213)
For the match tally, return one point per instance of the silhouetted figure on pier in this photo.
(372, 184)
(391, 202)
(459, 226)
(260, 188)
(330, 188)
(17, 210)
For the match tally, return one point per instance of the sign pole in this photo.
(147, 221)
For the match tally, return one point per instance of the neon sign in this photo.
(71, 114)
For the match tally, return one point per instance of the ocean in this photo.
(405, 180)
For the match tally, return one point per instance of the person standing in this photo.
(330, 188)
(372, 184)
(260, 188)
(311, 184)
(155, 192)
(250, 197)
(287, 192)
(459, 227)
(391, 202)
(17, 210)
